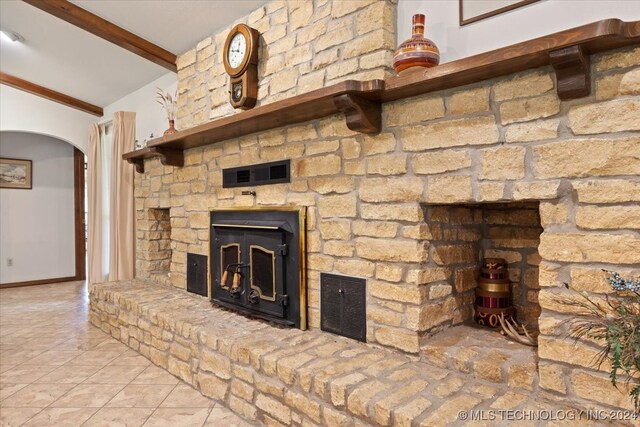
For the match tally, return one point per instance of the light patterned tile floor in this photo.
(58, 370)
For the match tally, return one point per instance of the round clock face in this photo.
(237, 50)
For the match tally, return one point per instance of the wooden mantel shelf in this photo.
(566, 51)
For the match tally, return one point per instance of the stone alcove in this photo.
(462, 235)
(154, 244)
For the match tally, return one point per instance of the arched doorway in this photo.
(43, 228)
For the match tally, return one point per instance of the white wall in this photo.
(22, 112)
(150, 117)
(37, 225)
(525, 23)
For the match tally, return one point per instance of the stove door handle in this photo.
(225, 277)
(284, 300)
(236, 280)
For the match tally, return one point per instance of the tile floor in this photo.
(58, 370)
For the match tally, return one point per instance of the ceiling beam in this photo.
(104, 29)
(52, 95)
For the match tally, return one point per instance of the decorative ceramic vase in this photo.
(417, 51)
(171, 129)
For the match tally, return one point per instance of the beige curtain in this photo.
(122, 217)
(94, 173)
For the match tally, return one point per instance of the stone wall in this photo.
(455, 244)
(498, 141)
(503, 140)
(304, 45)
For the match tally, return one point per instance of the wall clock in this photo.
(240, 57)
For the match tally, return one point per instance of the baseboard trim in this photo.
(38, 282)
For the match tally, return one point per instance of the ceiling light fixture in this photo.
(11, 36)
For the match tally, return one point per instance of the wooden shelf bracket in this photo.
(362, 115)
(573, 72)
(168, 157)
(138, 162)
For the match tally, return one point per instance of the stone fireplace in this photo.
(505, 156)
(498, 168)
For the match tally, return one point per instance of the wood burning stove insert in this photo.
(257, 263)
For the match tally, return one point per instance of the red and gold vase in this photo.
(418, 51)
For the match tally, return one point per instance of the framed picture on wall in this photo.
(15, 173)
(475, 10)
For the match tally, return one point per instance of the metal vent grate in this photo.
(343, 306)
(278, 172)
(262, 174)
(243, 176)
(197, 274)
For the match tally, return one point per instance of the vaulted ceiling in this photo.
(62, 57)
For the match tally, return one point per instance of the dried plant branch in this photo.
(167, 102)
(617, 325)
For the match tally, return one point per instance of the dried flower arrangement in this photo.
(167, 102)
(617, 325)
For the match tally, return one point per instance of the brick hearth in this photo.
(290, 377)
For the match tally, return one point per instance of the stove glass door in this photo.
(266, 285)
(253, 260)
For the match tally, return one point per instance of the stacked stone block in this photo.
(456, 233)
(304, 45)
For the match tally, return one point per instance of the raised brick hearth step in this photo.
(485, 354)
(274, 376)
